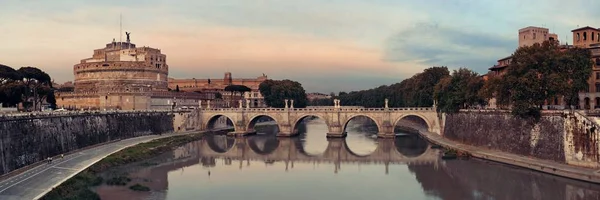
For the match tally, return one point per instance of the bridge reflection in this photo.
(402, 150)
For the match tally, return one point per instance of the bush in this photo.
(138, 187)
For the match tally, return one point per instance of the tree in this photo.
(8, 74)
(37, 83)
(539, 73)
(11, 89)
(237, 89)
(412, 92)
(459, 91)
(275, 93)
(577, 65)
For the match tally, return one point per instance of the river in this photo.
(360, 166)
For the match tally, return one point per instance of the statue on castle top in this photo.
(127, 33)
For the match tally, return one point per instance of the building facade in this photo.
(254, 97)
(531, 35)
(589, 38)
(123, 76)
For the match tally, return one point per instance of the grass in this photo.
(79, 186)
(138, 187)
(120, 180)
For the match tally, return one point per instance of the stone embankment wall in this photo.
(25, 140)
(564, 137)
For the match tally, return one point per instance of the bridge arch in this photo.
(304, 116)
(219, 143)
(346, 121)
(411, 146)
(417, 119)
(214, 118)
(254, 119)
(263, 145)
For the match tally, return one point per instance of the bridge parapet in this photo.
(336, 118)
(319, 109)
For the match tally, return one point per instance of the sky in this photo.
(327, 45)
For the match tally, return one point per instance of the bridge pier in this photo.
(286, 130)
(336, 134)
(386, 130)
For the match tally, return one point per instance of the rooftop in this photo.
(584, 28)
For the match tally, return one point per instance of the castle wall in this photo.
(563, 137)
(25, 140)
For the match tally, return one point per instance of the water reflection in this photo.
(266, 167)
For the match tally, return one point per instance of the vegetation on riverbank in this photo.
(138, 187)
(78, 187)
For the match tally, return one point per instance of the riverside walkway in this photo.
(35, 182)
(550, 167)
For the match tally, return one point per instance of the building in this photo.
(588, 37)
(254, 97)
(531, 35)
(123, 76)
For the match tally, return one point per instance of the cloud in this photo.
(438, 45)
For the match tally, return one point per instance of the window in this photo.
(593, 36)
(598, 37)
(597, 75)
(578, 37)
(584, 36)
(597, 87)
(597, 62)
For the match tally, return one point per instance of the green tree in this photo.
(275, 93)
(539, 73)
(37, 83)
(415, 91)
(576, 67)
(11, 88)
(459, 91)
(233, 89)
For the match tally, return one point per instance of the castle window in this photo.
(584, 36)
(578, 37)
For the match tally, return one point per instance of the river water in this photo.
(361, 166)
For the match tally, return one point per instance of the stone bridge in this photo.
(289, 150)
(336, 118)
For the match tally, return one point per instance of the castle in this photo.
(123, 76)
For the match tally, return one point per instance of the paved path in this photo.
(551, 167)
(37, 181)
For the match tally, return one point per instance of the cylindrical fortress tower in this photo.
(120, 67)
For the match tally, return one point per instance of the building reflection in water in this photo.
(404, 167)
